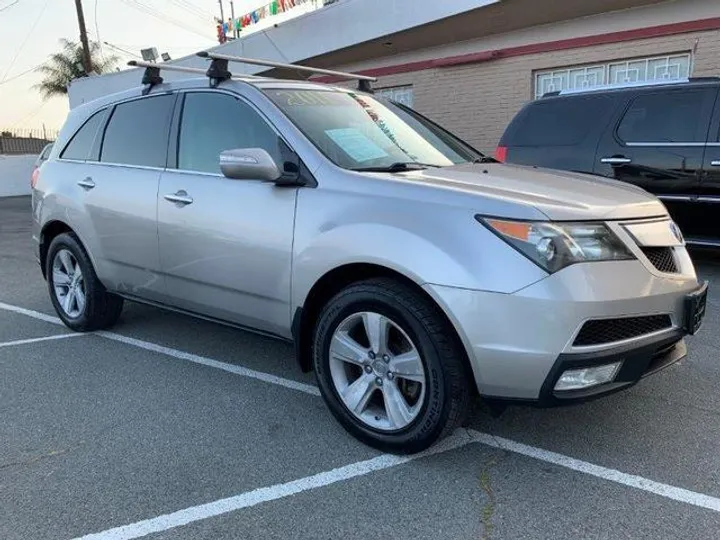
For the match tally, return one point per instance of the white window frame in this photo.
(587, 76)
(402, 94)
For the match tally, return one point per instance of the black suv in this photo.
(663, 137)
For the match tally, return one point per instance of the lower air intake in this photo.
(600, 332)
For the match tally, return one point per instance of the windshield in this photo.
(359, 132)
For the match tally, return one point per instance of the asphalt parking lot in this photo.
(173, 428)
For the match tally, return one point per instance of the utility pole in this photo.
(222, 13)
(87, 62)
(232, 18)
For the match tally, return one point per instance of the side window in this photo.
(138, 132)
(81, 145)
(668, 117)
(563, 121)
(213, 122)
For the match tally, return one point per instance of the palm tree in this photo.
(66, 65)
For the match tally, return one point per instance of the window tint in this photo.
(557, 121)
(137, 133)
(667, 117)
(213, 122)
(81, 144)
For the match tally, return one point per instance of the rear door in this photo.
(657, 142)
(708, 228)
(120, 195)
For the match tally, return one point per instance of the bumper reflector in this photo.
(577, 379)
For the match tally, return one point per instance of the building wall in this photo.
(15, 174)
(477, 100)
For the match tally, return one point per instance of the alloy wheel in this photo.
(68, 284)
(377, 371)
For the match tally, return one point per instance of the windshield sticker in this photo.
(299, 98)
(358, 146)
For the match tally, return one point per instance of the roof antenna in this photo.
(218, 70)
(151, 77)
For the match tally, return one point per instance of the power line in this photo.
(194, 10)
(123, 50)
(160, 16)
(20, 74)
(27, 37)
(11, 4)
(97, 32)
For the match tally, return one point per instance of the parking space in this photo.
(168, 427)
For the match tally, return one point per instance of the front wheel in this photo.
(81, 301)
(389, 367)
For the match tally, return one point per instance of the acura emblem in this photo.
(677, 232)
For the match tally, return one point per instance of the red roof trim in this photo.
(548, 46)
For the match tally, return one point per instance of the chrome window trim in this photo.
(126, 165)
(675, 197)
(672, 144)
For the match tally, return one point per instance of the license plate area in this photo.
(695, 305)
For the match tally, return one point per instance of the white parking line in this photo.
(282, 490)
(181, 355)
(38, 340)
(272, 493)
(664, 490)
(237, 370)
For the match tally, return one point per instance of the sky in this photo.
(30, 31)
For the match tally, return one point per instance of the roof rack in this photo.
(620, 86)
(218, 70)
(151, 77)
(220, 62)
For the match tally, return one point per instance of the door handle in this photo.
(181, 197)
(715, 163)
(87, 183)
(616, 160)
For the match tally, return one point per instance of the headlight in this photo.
(553, 246)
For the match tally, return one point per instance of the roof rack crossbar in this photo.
(270, 63)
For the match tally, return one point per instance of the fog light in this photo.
(576, 379)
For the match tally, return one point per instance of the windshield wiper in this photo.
(400, 166)
(486, 159)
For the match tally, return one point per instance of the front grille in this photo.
(661, 258)
(603, 331)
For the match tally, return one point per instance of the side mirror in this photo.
(249, 164)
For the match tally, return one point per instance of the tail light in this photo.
(501, 153)
(34, 177)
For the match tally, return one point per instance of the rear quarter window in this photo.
(557, 121)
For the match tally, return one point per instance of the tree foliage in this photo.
(67, 64)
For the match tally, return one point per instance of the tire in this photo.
(432, 413)
(100, 309)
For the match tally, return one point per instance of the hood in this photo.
(560, 195)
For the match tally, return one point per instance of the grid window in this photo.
(401, 94)
(636, 70)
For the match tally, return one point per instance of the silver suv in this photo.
(410, 271)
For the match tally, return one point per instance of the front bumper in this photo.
(519, 344)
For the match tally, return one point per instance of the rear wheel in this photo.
(389, 368)
(79, 299)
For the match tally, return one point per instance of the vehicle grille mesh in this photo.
(603, 331)
(662, 258)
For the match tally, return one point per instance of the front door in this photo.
(658, 143)
(120, 196)
(709, 197)
(225, 245)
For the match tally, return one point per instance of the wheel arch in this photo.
(333, 282)
(49, 231)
